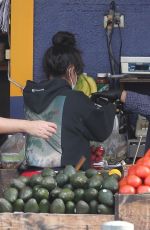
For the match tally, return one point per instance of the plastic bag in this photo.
(12, 152)
(115, 145)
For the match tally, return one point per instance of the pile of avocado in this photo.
(68, 191)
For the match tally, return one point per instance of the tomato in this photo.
(143, 189)
(131, 170)
(147, 180)
(127, 189)
(123, 181)
(142, 171)
(140, 161)
(134, 180)
(146, 162)
(147, 153)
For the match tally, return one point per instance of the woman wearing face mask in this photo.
(78, 119)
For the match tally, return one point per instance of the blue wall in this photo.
(85, 19)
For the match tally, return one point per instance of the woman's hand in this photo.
(39, 128)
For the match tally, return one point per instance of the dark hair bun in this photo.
(63, 38)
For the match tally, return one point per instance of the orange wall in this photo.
(21, 51)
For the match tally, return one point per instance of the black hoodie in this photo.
(78, 119)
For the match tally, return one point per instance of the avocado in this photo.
(44, 206)
(111, 183)
(5, 205)
(90, 194)
(41, 193)
(31, 206)
(93, 206)
(35, 188)
(82, 207)
(61, 179)
(36, 180)
(106, 197)
(25, 193)
(24, 179)
(55, 193)
(57, 206)
(11, 194)
(90, 172)
(66, 194)
(104, 209)
(49, 183)
(69, 170)
(70, 207)
(18, 206)
(79, 180)
(68, 186)
(48, 172)
(95, 182)
(78, 194)
(16, 183)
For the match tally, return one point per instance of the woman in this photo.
(41, 129)
(78, 119)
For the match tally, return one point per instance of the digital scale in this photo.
(135, 65)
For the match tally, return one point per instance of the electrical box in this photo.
(135, 65)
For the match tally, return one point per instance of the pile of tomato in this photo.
(137, 179)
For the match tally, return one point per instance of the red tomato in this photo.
(123, 181)
(142, 171)
(147, 153)
(143, 189)
(146, 162)
(127, 189)
(147, 180)
(134, 180)
(140, 161)
(131, 170)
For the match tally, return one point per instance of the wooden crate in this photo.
(44, 221)
(6, 176)
(134, 209)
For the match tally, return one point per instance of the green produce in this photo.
(78, 180)
(69, 170)
(41, 193)
(66, 194)
(17, 183)
(24, 179)
(48, 183)
(31, 206)
(61, 179)
(11, 194)
(44, 206)
(5, 205)
(36, 188)
(78, 194)
(106, 197)
(70, 207)
(36, 180)
(104, 209)
(68, 186)
(57, 206)
(18, 206)
(90, 194)
(82, 207)
(93, 206)
(91, 172)
(48, 172)
(55, 193)
(25, 193)
(95, 182)
(111, 183)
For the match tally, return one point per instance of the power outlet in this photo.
(118, 20)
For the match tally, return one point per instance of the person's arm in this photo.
(36, 128)
(135, 102)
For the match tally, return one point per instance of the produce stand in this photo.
(134, 209)
(42, 221)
